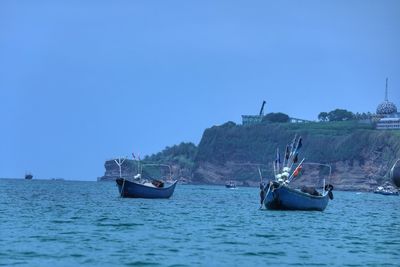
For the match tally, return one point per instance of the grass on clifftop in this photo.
(327, 128)
(323, 141)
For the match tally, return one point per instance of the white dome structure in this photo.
(386, 107)
(389, 118)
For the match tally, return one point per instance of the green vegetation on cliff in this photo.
(182, 155)
(257, 143)
(359, 154)
(346, 142)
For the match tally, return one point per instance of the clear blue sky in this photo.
(84, 81)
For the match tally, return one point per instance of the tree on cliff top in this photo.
(336, 115)
(323, 116)
(276, 117)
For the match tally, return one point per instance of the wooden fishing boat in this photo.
(278, 195)
(387, 190)
(144, 188)
(230, 185)
(155, 189)
(282, 197)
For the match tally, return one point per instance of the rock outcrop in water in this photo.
(180, 157)
(360, 156)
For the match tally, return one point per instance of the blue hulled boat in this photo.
(387, 190)
(155, 189)
(28, 176)
(279, 195)
(144, 188)
(230, 185)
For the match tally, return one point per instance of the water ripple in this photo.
(44, 223)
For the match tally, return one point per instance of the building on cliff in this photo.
(254, 119)
(257, 119)
(389, 117)
(251, 119)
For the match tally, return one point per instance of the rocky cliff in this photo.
(359, 155)
(180, 158)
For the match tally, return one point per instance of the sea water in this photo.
(65, 223)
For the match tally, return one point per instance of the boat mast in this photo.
(119, 162)
(292, 152)
(386, 91)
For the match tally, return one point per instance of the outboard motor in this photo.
(329, 188)
(395, 173)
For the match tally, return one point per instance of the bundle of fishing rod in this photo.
(284, 175)
(283, 171)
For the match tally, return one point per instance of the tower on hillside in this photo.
(386, 107)
(387, 111)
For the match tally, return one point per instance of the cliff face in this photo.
(130, 168)
(359, 155)
(180, 158)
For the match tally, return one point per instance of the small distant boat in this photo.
(386, 189)
(145, 188)
(28, 176)
(230, 185)
(277, 195)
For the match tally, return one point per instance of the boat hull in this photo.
(284, 198)
(130, 189)
(387, 193)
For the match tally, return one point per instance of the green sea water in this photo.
(65, 223)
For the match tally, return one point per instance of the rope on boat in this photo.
(269, 190)
(122, 188)
(119, 162)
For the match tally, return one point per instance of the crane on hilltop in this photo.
(262, 108)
